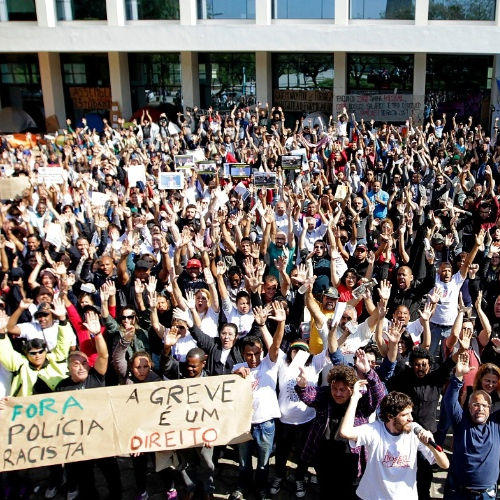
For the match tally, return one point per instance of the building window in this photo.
(152, 9)
(226, 9)
(298, 9)
(454, 10)
(458, 73)
(380, 74)
(17, 10)
(81, 10)
(227, 80)
(155, 79)
(74, 73)
(25, 73)
(303, 71)
(383, 9)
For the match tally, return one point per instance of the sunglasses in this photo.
(131, 317)
(41, 315)
(34, 353)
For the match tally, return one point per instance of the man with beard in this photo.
(476, 441)
(391, 447)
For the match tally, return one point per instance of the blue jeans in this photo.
(438, 333)
(263, 435)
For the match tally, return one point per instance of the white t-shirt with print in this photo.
(447, 307)
(33, 330)
(294, 411)
(391, 470)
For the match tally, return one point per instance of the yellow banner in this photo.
(81, 425)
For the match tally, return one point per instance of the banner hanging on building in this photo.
(81, 425)
(382, 107)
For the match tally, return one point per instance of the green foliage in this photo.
(472, 10)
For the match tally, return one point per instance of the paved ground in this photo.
(225, 482)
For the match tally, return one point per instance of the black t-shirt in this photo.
(93, 381)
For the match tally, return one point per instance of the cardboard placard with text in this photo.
(72, 426)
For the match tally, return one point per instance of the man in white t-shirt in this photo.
(448, 287)
(263, 373)
(392, 446)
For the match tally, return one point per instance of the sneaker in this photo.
(237, 494)
(172, 494)
(51, 491)
(276, 486)
(299, 489)
(142, 496)
(72, 495)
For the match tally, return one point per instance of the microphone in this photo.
(417, 429)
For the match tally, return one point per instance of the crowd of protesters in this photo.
(375, 258)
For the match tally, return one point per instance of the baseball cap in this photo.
(361, 246)
(193, 263)
(143, 264)
(438, 238)
(331, 292)
(43, 290)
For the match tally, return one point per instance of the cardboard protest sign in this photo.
(51, 175)
(80, 425)
(13, 186)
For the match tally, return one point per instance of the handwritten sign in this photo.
(304, 100)
(72, 426)
(51, 175)
(91, 97)
(382, 107)
(10, 187)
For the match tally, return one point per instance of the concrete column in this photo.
(115, 10)
(52, 86)
(497, 13)
(190, 79)
(188, 13)
(419, 69)
(263, 12)
(4, 13)
(495, 93)
(46, 13)
(340, 73)
(342, 12)
(120, 82)
(264, 77)
(422, 12)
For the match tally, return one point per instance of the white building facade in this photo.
(69, 57)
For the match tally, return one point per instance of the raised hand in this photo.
(395, 331)
(357, 389)
(190, 300)
(25, 304)
(139, 287)
(171, 337)
(435, 295)
(464, 339)
(58, 308)
(384, 290)
(382, 309)
(260, 315)
(111, 288)
(279, 314)
(427, 313)
(92, 323)
(183, 315)
(463, 367)
(362, 362)
(152, 299)
(280, 264)
(301, 273)
(221, 268)
(151, 285)
(479, 300)
(209, 277)
(104, 292)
